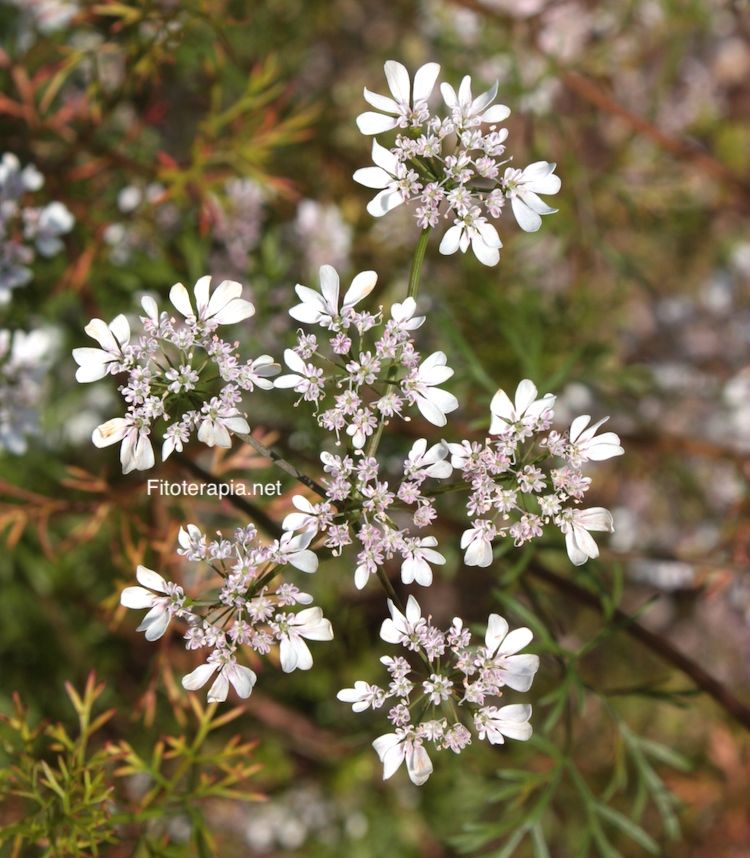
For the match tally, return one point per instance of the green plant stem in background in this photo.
(416, 263)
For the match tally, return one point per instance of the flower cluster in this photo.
(24, 361)
(254, 609)
(453, 166)
(181, 374)
(451, 695)
(24, 229)
(238, 218)
(373, 372)
(356, 484)
(512, 496)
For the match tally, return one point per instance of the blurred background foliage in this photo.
(212, 135)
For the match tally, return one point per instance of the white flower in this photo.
(293, 650)
(304, 378)
(431, 463)
(472, 229)
(224, 307)
(418, 554)
(586, 445)
(403, 315)
(522, 187)
(164, 599)
(576, 524)
(495, 724)
(384, 176)
(257, 373)
(242, 678)
(402, 627)
(136, 453)
(408, 105)
(295, 552)
(217, 421)
(522, 414)
(322, 308)
(477, 542)
(467, 111)
(362, 696)
(515, 671)
(394, 748)
(94, 364)
(306, 519)
(432, 402)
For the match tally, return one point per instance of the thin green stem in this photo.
(416, 263)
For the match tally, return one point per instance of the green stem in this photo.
(416, 263)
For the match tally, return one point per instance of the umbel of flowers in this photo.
(359, 368)
(452, 166)
(179, 374)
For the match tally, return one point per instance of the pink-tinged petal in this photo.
(398, 81)
(451, 240)
(110, 432)
(384, 202)
(180, 299)
(235, 311)
(199, 677)
(361, 287)
(528, 220)
(384, 158)
(137, 597)
(424, 81)
(242, 678)
(497, 629)
(153, 580)
(99, 330)
(218, 692)
(418, 764)
(373, 177)
(381, 102)
(516, 641)
(370, 123)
